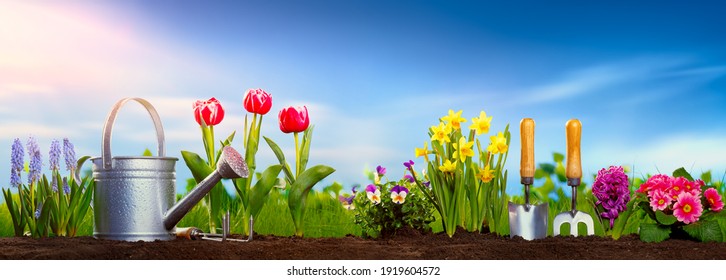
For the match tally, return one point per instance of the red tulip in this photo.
(211, 110)
(257, 101)
(294, 119)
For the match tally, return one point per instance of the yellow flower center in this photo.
(711, 201)
(687, 208)
(661, 201)
(677, 188)
(456, 124)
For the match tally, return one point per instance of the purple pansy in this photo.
(398, 194)
(408, 164)
(373, 194)
(409, 178)
(381, 170)
(347, 201)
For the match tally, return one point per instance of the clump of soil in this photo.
(409, 245)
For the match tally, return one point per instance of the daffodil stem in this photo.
(297, 155)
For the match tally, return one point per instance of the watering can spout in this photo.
(231, 165)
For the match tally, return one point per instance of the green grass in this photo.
(325, 217)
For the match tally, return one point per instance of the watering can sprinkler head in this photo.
(230, 165)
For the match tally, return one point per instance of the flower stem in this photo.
(297, 155)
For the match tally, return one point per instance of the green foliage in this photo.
(654, 232)
(705, 231)
(42, 210)
(303, 180)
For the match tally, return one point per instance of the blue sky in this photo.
(646, 79)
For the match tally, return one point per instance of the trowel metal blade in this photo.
(528, 221)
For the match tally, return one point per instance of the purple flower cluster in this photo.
(54, 155)
(66, 188)
(70, 155)
(611, 190)
(34, 168)
(16, 162)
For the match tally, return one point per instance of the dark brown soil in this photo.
(405, 245)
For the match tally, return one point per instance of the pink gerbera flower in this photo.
(656, 182)
(714, 200)
(660, 200)
(687, 208)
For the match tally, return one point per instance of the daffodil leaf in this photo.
(654, 233)
(664, 218)
(681, 172)
(259, 194)
(558, 157)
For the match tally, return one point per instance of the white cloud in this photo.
(608, 76)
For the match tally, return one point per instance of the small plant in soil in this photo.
(677, 205)
(43, 206)
(381, 209)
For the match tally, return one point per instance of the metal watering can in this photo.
(134, 196)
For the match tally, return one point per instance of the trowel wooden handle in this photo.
(574, 133)
(526, 131)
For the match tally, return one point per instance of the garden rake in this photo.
(574, 176)
(526, 220)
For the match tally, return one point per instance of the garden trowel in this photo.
(526, 220)
(574, 175)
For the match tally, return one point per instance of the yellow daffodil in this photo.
(481, 124)
(454, 119)
(463, 149)
(498, 144)
(485, 175)
(441, 133)
(423, 152)
(448, 166)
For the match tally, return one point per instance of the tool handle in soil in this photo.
(526, 171)
(574, 165)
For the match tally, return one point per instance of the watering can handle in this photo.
(108, 127)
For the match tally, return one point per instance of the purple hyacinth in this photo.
(611, 191)
(69, 154)
(66, 188)
(34, 168)
(409, 178)
(381, 170)
(17, 162)
(408, 164)
(54, 155)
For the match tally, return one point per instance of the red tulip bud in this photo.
(257, 101)
(211, 111)
(294, 119)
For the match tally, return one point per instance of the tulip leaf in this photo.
(305, 148)
(299, 190)
(197, 165)
(281, 157)
(654, 233)
(664, 218)
(259, 193)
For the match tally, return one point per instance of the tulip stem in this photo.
(297, 156)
